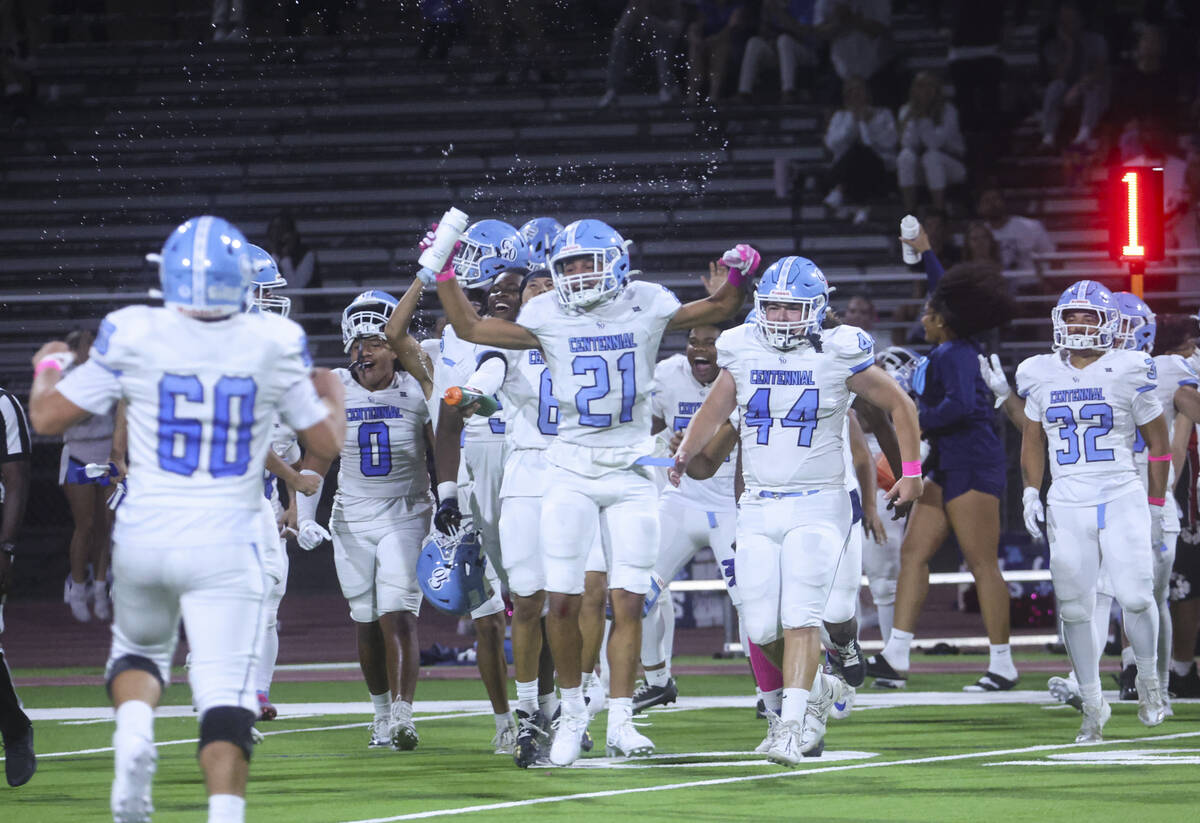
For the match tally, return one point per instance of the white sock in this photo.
(503, 721)
(795, 701)
(1127, 658)
(1000, 660)
(527, 696)
(383, 705)
(657, 677)
(620, 711)
(136, 717)
(1147, 668)
(773, 700)
(896, 650)
(548, 703)
(589, 680)
(1090, 693)
(226, 808)
(1081, 648)
(572, 700)
(1181, 667)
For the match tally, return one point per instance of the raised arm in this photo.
(490, 331)
(714, 412)
(742, 261)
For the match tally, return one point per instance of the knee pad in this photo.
(1074, 611)
(362, 607)
(883, 592)
(227, 724)
(131, 662)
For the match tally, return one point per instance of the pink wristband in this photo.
(1161, 458)
(445, 274)
(911, 468)
(1157, 501)
(735, 278)
(47, 363)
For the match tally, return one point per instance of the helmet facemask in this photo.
(787, 334)
(1100, 334)
(585, 289)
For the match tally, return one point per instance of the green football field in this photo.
(929, 753)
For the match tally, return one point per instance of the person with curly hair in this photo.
(964, 470)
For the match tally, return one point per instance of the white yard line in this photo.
(515, 804)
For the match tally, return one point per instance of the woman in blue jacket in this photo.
(964, 471)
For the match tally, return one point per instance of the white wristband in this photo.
(306, 505)
(447, 490)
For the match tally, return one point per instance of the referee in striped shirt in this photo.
(15, 728)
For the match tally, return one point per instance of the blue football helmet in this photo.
(205, 268)
(265, 281)
(1090, 296)
(797, 281)
(487, 250)
(1137, 327)
(610, 264)
(900, 363)
(366, 316)
(450, 571)
(539, 234)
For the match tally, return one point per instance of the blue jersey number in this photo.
(374, 449)
(802, 416)
(180, 438)
(597, 367)
(495, 423)
(547, 405)
(1100, 418)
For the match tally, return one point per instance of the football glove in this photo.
(311, 535)
(743, 257)
(1035, 512)
(993, 374)
(448, 518)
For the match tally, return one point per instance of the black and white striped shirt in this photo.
(14, 429)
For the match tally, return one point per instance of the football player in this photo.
(1093, 398)
(697, 514)
(491, 258)
(381, 512)
(599, 333)
(202, 382)
(786, 372)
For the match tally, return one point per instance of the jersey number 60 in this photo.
(180, 438)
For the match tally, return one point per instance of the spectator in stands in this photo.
(1145, 92)
(859, 311)
(15, 728)
(1077, 61)
(980, 244)
(711, 36)
(656, 25)
(862, 140)
(1019, 238)
(965, 469)
(297, 262)
(86, 589)
(976, 65)
(931, 144)
(443, 22)
(786, 37)
(857, 31)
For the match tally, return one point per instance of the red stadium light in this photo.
(1135, 226)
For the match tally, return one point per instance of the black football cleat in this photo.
(848, 662)
(1184, 685)
(531, 739)
(19, 760)
(1127, 682)
(885, 676)
(646, 695)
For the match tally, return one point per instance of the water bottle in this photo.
(450, 228)
(910, 227)
(460, 396)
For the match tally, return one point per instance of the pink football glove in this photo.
(744, 259)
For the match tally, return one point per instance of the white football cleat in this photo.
(816, 713)
(77, 595)
(595, 697)
(1066, 690)
(1150, 700)
(403, 732)
(380, 733)
(1094, 718)
(843, 705)
(774, 730)
(505, 741)
(786, 749)
(627, 741)
(136, 761)
(568, 737)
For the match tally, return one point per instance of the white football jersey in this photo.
(793, 406)
(527, 400)
(201, 398)
(384, 454)
(1173, 372)
(1090, 417)
(433, 350)
(602, 368)
(677, 397)
(286, 447)
(456, 361)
